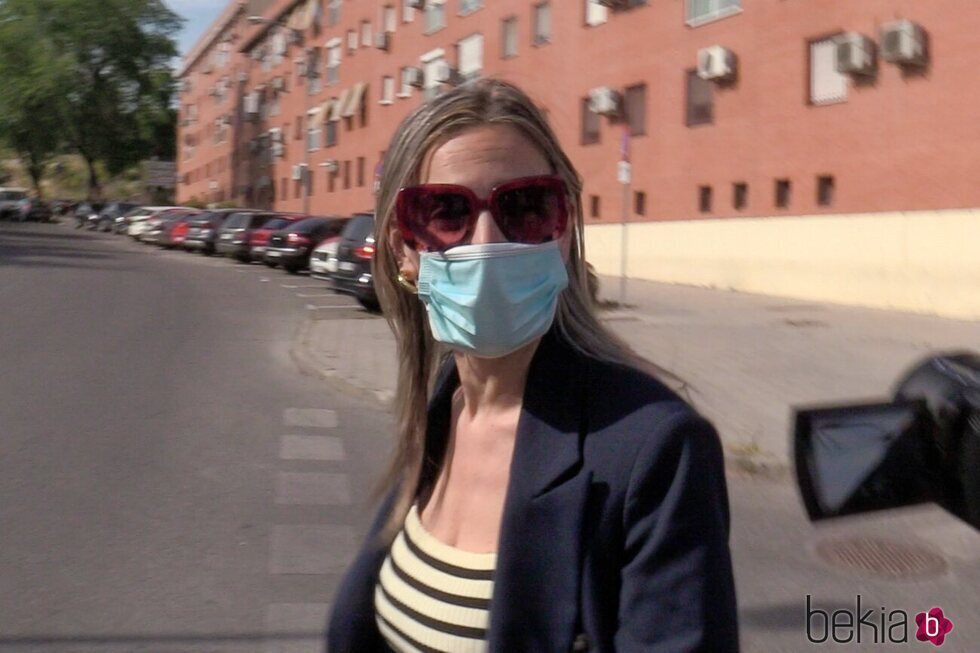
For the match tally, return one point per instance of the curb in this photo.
(310, 363)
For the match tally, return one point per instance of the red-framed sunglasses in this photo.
(435, 217)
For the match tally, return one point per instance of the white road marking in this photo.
(306, 285)
(312, 489)
(308, 295)
(312, 447)
(311, 549)
(314, 307)
(320, 418)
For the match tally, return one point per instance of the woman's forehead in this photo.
(483, 157)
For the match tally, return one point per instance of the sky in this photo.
(198, 16)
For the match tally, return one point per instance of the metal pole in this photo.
(307, 173)
(623, 245)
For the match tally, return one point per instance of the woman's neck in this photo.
(494, 384)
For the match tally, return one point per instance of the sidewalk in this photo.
(749, 358)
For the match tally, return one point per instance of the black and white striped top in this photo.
(431, 596)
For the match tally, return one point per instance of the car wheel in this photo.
(291, 269)
(270, 264)
(369, 303)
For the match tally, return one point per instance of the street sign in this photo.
(624, 172)
(160, 173)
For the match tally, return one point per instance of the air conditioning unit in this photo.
(276, 135)
(604, 101)
(446, 74)
(298, 172)
(331, 165)
(242, 78)
(903, 42)
(382, 41)
(415, 4)
(414, 77)
(716, 63)
(855, 54)
(278, 83)
(278, 149)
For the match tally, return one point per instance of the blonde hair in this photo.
(478, 103)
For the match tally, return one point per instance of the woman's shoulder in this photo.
(636, 419)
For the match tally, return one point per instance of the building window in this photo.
(640, 203)
(783, 189)
(346, 174)
(333, 12)
(330, 134)
(331, 178)
(469, 55)
(469, 6)
(351, 41)
(704, 199)
(542, 23)
(387, 89)
(298, 132)
(827, 86)
(360, 171)
(389, 19)
(284, 188)
(508, 40)
(435, 16)
(635, 102)
(312, 138)
(703, 11)
(595, 13)
(825, 190)
(366, 33)
(308, 176)
(590, 124)
(432, 69)
(408, 14)
(700, 109)
(594, 206)
(333, 64)
(740, 195)
(405, 89)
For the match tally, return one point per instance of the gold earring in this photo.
(407, 285)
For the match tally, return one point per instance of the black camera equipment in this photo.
(922, 446)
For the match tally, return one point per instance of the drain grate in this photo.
(880, 557)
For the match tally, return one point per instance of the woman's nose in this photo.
(486, 230)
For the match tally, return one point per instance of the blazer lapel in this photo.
(537, 581)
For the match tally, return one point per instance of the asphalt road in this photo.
(169, 480)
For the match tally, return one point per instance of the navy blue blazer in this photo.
(615, 525)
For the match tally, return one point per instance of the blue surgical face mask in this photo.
(491, 300)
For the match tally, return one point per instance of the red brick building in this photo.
(292, 102)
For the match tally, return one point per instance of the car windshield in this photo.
(12, 195)
(306, 226)
(359, 227)
(275, 223)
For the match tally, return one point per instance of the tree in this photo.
(31, 120)
(111, 62)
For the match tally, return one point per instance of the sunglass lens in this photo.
(440, 219)
(530, 214)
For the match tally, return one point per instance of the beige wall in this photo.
(924, 261)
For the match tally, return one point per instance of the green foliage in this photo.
(196, 203)
(90, 77)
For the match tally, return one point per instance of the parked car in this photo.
(354, 253)
(9, 198)
(138, 220)
(323, 260)
(87, 214)
(31, 208)
(259, 239)
(202, 230)
(108, 215)
(160, 228)
(235, 234)
(291, 247)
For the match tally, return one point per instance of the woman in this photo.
(548, 493)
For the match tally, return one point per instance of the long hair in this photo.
(474, 104)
